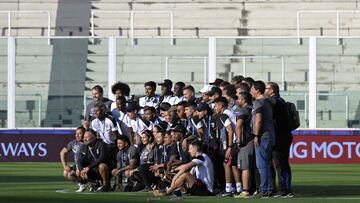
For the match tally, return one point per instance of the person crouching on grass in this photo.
(127, 160)
(70, 171)
(93, 162)
(197, 176)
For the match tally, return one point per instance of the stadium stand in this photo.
(41, 67)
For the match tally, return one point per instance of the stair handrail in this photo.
(132, 12)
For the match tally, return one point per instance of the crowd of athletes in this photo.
(233, 140)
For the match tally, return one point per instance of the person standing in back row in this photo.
(97, 95)
(283, 140)
(264, 137)
(150, 99)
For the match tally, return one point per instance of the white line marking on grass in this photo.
(69, 191)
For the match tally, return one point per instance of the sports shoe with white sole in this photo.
(243, 194)
(82, 188)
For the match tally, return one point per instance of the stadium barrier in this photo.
(309, 146)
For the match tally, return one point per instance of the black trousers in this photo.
(280, 157)
(148, 177)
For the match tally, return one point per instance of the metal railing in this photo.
(40, 105)
(306, 94)
(244, 58)
(338, 36)
(132, 12)
(204, 58)
(27, 12)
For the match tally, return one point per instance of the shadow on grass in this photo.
(24, 179)
(326, 190)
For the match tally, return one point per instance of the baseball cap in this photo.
(178, 128)
(202, 106)
(167, 83)
(214, 90)
(217, 82)
(165, 106)
(206, 88)
(131, 107)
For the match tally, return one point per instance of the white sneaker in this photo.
(82, 188)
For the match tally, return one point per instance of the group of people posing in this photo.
(233, 140)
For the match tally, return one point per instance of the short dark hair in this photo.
(122, 99)
(275, 87)
(260, 86)
(247, 96)
(101, 106)
(198, 145)
(182, 103)
(181, 84)
(243, 86)
(81, 128)
(123, 87)
(123, 138)
(150, 84)
(150, 108)
(190, 104)
(237, 78)
(230, 90)
(222, 100)
(249, 80)
(98, 88)
(189, 87)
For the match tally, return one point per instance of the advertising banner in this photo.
(325, 147)
(309, 146)
(33, 145)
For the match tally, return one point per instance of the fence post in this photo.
(212, 59)
(312, 81)
(11, 82)
(112, 66)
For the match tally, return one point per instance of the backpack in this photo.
(294, 119)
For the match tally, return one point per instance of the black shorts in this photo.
(234, 155)
(199, 189)
(94, 174)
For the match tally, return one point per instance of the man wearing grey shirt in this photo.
(70, 172)
(264, 136)
(97, 95)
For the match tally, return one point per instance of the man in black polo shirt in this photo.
(93, 161)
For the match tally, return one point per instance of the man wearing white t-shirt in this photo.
(104, 125)
(134, 123)
(197, 176)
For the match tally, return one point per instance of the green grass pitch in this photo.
(43, 182)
